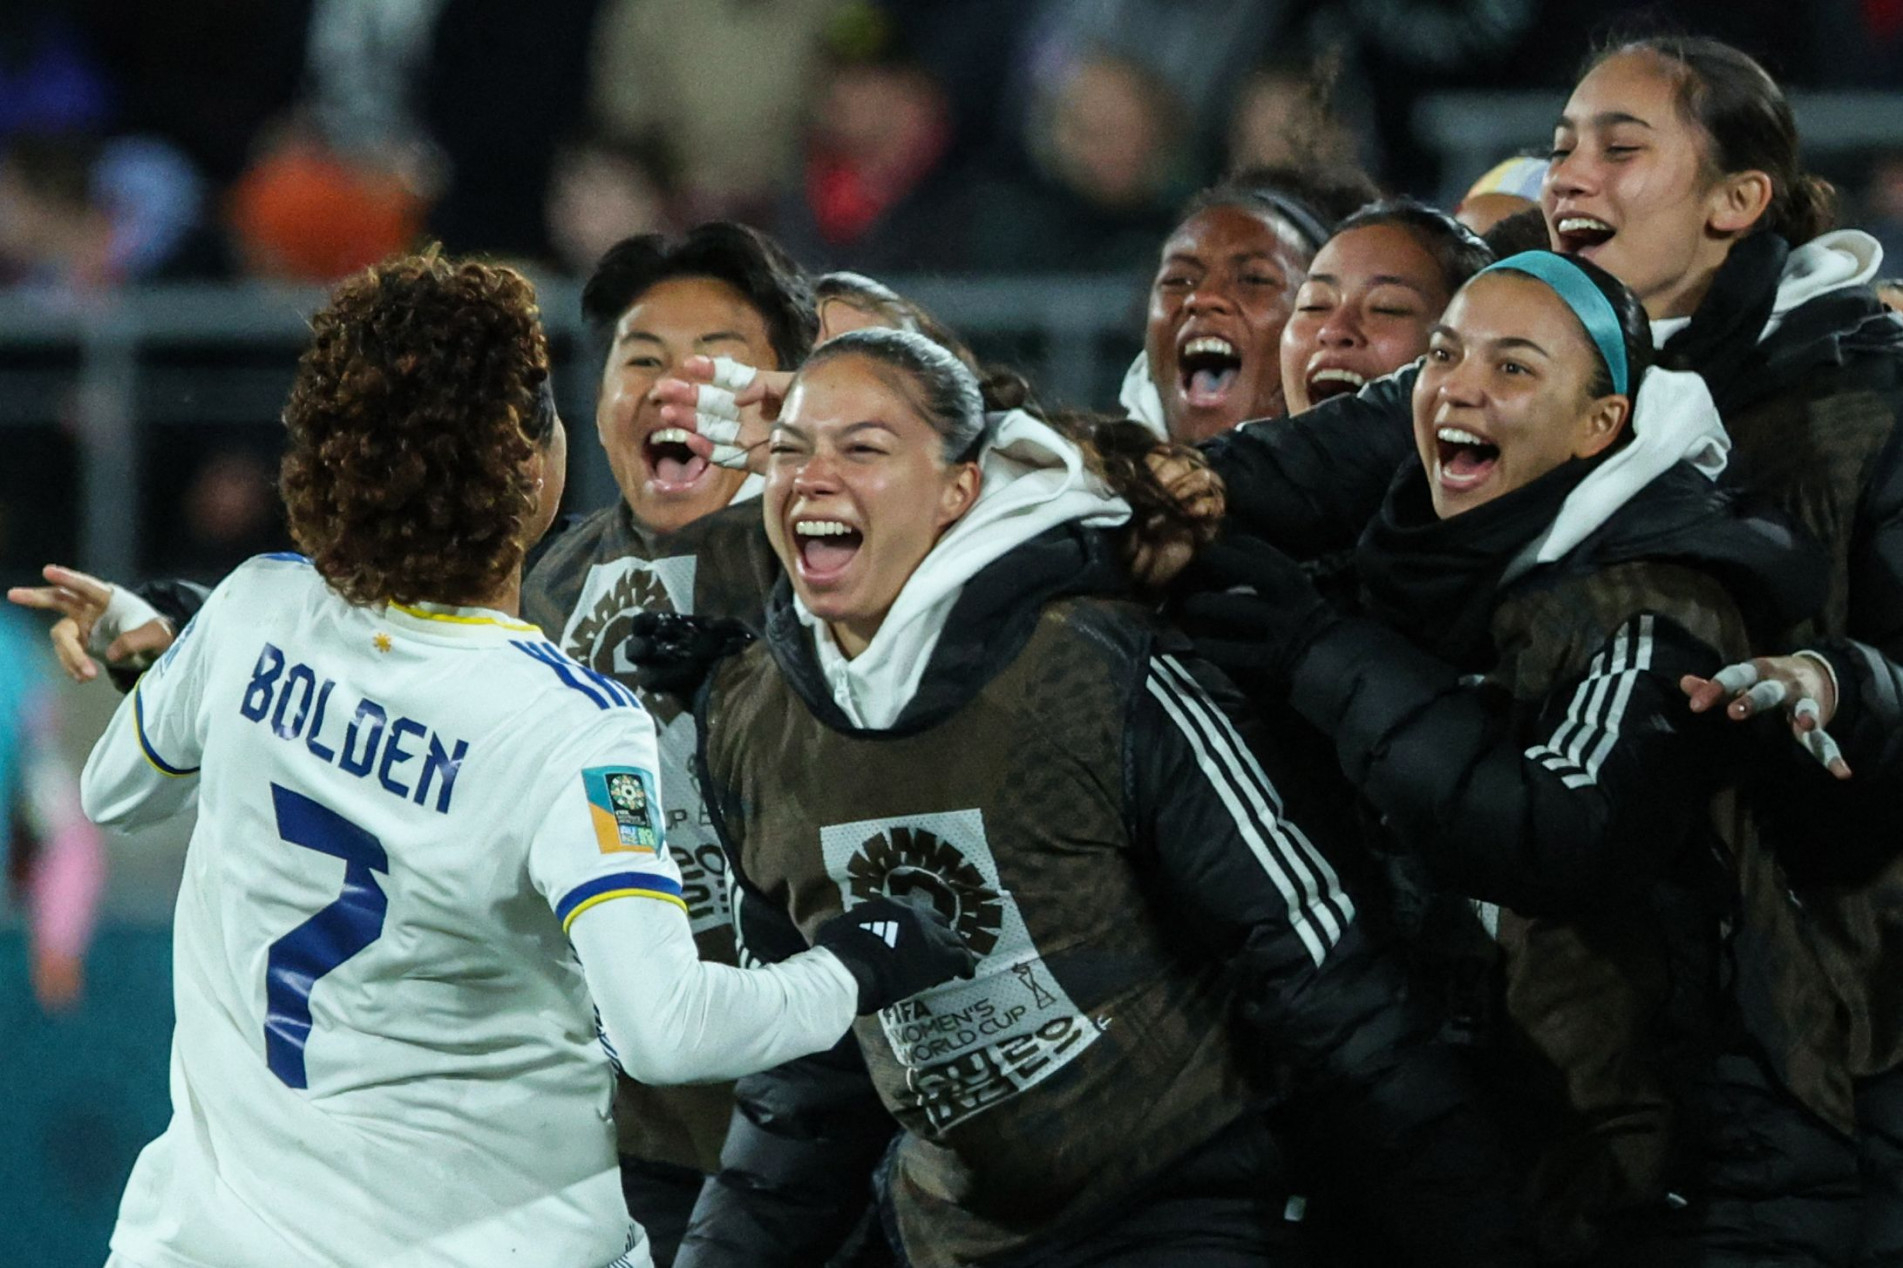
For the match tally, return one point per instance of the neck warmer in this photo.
(1760, 285)
(1438, 577)
(1673, 420)
(1033, 481)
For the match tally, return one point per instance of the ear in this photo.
(1738, 201)
(1604, 421)
(958, 494)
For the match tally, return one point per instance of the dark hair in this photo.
(1747, 119)
(1522, 231)
(422, 395)
(1309, 200)
(940, 386)
(743, 258)
(1458, 251)
(1635, 329)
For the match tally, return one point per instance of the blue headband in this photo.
(1588, 302)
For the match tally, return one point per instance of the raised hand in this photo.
(1800, 684)
(724, 406)
(96, 617)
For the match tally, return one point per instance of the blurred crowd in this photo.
(301, 139)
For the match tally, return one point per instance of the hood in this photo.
(1774, 314)
(988, 624)
(1673, 420)
(1139, 397)
(1034, 480)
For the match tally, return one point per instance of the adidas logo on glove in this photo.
(886, 931)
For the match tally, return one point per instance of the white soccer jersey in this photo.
(385, 1053)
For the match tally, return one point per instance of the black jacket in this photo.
(1202, 820)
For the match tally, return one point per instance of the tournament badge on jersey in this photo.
(621, 804)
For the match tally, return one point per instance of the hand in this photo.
(1802, 684)
(728, 406)
(896, 947)
(99, 617)
(1165, 546)
(1253, 611)
(673, 652)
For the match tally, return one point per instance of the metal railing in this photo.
(113, 369)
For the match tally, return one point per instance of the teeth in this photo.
(669, 436)
(1209, 344)
(822, 528)
(1583, 224)
(1458, 436)
(1333, 374)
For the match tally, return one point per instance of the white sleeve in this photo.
(598, 857)
(144, 768)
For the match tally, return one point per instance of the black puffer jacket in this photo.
(1812, 411)
(1529, 741)
(1166, 802)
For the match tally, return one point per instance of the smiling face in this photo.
(858, 492)
(1505, 393)
(1364, 311)
(1630, 188)
(665, 485)
(1217, 309)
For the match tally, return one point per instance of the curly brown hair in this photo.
(421, 397)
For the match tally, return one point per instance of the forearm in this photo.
(673, 1018)
(125, 784)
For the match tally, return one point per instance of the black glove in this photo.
(1251, 610)
(673, 653)
(896, 947)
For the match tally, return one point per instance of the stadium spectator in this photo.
(601, 192)
(305, 213)
(1105, 159)
(726, 85)
(1374, 291)
(1286, 115)
(1506, 189)
(875, 191)
(982, 720)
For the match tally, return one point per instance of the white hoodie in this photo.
(1033, 480)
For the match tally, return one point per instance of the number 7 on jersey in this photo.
(338, 931)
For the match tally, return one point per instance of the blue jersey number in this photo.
(327, 939)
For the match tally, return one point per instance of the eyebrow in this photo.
(1605, 119)
(1515, 341)
(1379, 279)
(716, 336)
(849, 429)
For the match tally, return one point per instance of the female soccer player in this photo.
(983, 720)
(411, 806)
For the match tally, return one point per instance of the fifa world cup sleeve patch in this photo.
(622, 806)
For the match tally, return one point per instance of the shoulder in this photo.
(1551, 632)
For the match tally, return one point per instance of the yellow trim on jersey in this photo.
(454, 619)
(152, 759)
(597, 899)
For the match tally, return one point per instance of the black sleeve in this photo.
(178, 601)
(1548, 819)
(1310, 484)
(1323, 1001)
(796, 1171)
(795, 1174)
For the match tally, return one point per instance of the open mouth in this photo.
(1333, 381)
(1209, 367)
(1579, 233)
(1464, 458)
(825, 547)
(674, 464)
